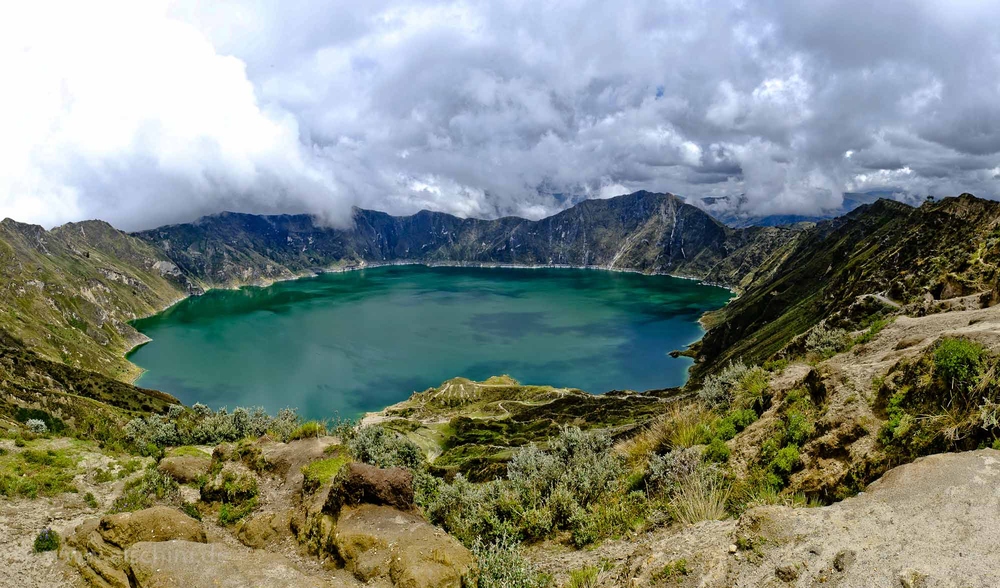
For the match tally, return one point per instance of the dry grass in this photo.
(684, 425)
(702, 496)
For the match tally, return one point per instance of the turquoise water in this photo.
(342, 344)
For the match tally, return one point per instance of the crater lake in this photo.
(341, 344)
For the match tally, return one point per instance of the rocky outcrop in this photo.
(185, 469)
(359, 483)
(378, 542)
(928, 523)
(176, 564)
(100, 545)
(365, 519)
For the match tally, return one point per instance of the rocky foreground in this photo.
(928, 523)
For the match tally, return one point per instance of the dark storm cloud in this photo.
(521, 107)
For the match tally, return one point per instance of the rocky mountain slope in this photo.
(69, 293)
(882, 254)
(643, 231)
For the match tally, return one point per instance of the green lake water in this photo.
(346, 343)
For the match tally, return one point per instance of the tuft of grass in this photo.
(702, 496)
(319, 472)
(674, 570)
(90, 500)
(229, 513)
(308, 430)
(191, 510)
(691, 426)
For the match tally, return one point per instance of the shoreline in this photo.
(363, 265)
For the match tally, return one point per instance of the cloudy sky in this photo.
(144, 113)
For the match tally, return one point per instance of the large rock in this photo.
(160, 523)
(929, 523)
(98, 545)
(182, 564)
(185, 469)
(359, 483)
(378, 542)
(264, 528)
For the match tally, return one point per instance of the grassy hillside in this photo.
(912, 257)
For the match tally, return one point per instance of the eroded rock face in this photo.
(380, 542)
(99, 545)
(933, 520)
(160, 523)
(176, 564)
(264, 528)
(359, 483)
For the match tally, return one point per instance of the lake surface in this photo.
(346, 343)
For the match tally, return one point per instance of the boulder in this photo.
(261, 529)
(160, 523)
(183, 564)
(98, 545)
(359, 483)
(382, 543)
(185, 469)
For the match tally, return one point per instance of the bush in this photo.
(735, 385)
(152, 430)
(501, 565)
(383, 448)
(140, 493)
(36, 426)
(959, 363)
(52, 424)
(90, 500)
(667, 471)
(544, 492)
(47, 540)
(827, 342)
(785, 461)
(717, 451)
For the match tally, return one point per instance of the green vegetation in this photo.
(307, 430)
(47, 540)
(501, 565)
(90, 500)
(673, 571)
(945, 399)
(31, 473)
(141, 492)
(319, 472)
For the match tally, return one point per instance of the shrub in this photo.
(52, 423)
(612, 516)
(667, 471)
(785, 461)
(36, 426)
(717, 451)
(735, 385)
(827, 342)
(47, 540)
(153, 430)
(140, 493)
(383, 448)
(90, 500)
(959, 363)
(501, 565)
(734, 422)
